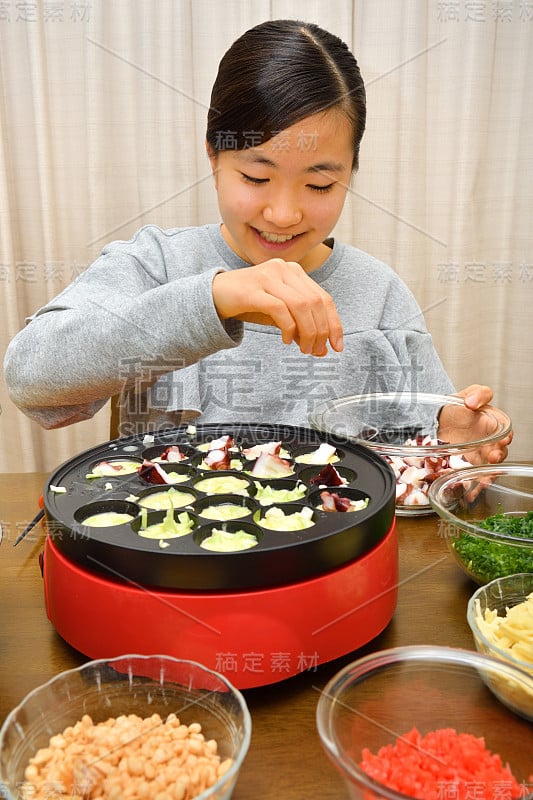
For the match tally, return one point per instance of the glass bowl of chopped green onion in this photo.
(422, 722)
(486, 518)
(500, 615)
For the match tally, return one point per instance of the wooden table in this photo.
(285, 759)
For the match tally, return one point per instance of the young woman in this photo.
(256, 318)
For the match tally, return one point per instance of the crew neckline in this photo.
(233, 261)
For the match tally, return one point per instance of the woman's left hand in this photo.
(455, 426)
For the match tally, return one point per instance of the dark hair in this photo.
(277, 74)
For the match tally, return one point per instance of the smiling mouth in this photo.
(276, 238)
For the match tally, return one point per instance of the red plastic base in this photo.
(254, 638)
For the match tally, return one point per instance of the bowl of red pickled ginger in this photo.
(422, 722)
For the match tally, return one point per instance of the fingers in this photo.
(500, 451)
(497, 455)
(282, 294)
(476, 395)
(315, 319)
(460, 424)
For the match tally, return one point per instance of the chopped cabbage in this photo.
(223, 541)
(275, 519)
(169, 528)
(266, 495)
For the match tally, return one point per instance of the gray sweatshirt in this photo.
(141, 321)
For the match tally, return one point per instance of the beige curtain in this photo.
(102, 118)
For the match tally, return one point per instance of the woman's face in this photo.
(282, 198)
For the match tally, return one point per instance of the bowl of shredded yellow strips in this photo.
(500, 615)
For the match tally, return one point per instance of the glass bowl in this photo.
(127, 685)
(384, 699)
(466, 498)
(501, 632)
(403, 427)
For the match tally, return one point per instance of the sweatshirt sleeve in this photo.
(74, 352)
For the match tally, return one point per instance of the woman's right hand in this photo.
(280, 293)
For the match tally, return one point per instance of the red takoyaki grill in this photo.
(129, 564)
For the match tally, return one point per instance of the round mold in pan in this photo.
(112, 467)
(259, 470)
(159, 453)
(251, 451)
(200, 462)
(308, 455)
(166, 473)
(274, 516)
(267, 492)
(315, 498)
(210, 507)
(230, 530)
(115, 506)
(212, 482)
(184, 524)
(281, 557)
(310, 475)
(161, 498)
